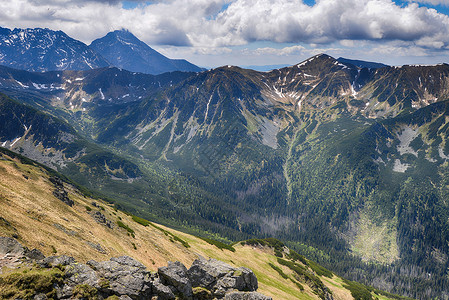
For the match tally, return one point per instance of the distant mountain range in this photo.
(47, 50)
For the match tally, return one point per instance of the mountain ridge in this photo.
(45, 50)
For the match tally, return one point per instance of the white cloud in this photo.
(206, 23)
(212, 27)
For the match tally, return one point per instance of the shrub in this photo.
(140, 221)
(279, 270)
(218, 244)
(123, 225)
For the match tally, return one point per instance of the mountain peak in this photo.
(43, 49)
(123, 49)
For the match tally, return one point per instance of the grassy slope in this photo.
(30, 211)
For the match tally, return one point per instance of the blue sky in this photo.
(212, 33)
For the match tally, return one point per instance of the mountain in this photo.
(122, 49)
(265, 68)
(45, 50)
(345, 164)
(362, 63)
(98, 236)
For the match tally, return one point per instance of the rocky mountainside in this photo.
(344, 163)
(122, 277)
(122, 49)
(90, 249)
(46, 50)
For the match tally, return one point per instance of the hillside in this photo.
(93, 229)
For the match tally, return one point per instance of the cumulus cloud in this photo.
(209, 24)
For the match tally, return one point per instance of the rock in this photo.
(60, 192)
(10, 246)
(63, 196)
(163, 292)
(97, 247)
(246, 296)
(123, 276)
(205, 273)
(40, 297)
(220, 278)
(11, 252)
(76, 274)
(101, 219)
(127, 279)
(53, 261)
(175, 274)
(34, 255)
(245, 280)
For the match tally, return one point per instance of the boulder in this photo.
(205, 273)
(123, 276)
(246, 296)
(53, 261)
(175, 275)
(76, 274)
(221, 278)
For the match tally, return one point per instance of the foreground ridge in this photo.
(61, 277)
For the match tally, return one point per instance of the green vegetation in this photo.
(26, 283)
(141, 221)
(358, 291)
(300, 286)
(302, 273)
(85, 291)
(218, 244)
(126, 227)
(171, 235)
(279, 270)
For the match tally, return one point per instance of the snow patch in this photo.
(15, 141)
(101, 94)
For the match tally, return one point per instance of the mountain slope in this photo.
(93, 229)
(46, 50)
(122, 49)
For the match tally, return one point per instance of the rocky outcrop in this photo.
(13, 253)
(101, 219)
(127, 278)
(60, 192)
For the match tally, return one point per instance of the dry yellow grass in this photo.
(44, 222)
